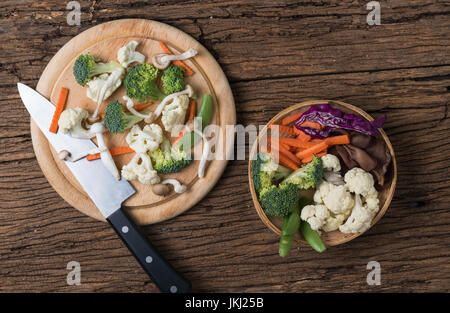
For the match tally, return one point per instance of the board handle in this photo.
(160, 271)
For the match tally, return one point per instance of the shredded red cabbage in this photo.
(334, 118)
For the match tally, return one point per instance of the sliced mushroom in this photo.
(105, 155)
(160, 189)
(177, 186)
(205, 154)
(64, 155)
(130, 107)
(162, 61)
(67, 156)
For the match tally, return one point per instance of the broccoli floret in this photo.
(172, 79)
(265, 172)
(117, 120)
(167, 160)
(279, 200)
(308, 176)
(86, 67)
(140, 83)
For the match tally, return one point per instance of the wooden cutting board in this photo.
(103, 41)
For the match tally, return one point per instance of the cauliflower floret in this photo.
(128, 54)
(145, 140)
(334, 221)
(366, 206)
(360, 182)
(71, 120)
(360, 219)
(336, 198)
(174, 113)
(372, 202)
(316, 215)
(331, 163)
(96, 84)
(140, 168)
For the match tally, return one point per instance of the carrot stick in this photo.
(180, 135)
(304, 137)
(301, 135)
(310, 158)
(113, 151)
(288, 154)
(140, 106)
(314, 125)
(189, 71)
(287, 147)
(265, 149)
(337, 140)
(314, 149)
(285, 129)
(291, 118)
(284, 160)
(59, 109)
(192, 110)
(292, 142)
(284, 146)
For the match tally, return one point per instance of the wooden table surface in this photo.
(275, 54)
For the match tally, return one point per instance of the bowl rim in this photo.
(347, 237)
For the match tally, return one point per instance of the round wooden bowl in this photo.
(385, 194)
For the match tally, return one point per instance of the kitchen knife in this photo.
(106, 192)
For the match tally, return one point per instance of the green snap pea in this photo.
(312, 237)
(204, 117)
(205, 111)
(290, 226)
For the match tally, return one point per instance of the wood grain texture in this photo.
(275, 54)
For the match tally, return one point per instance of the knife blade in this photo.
(106, 192)
(107, 195)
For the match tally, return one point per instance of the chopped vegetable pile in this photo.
(163, 82)
(310, 147)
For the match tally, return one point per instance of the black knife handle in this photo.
(161, 272)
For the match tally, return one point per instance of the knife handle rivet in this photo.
(149, 259)
(125, 229)
(173, 289)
